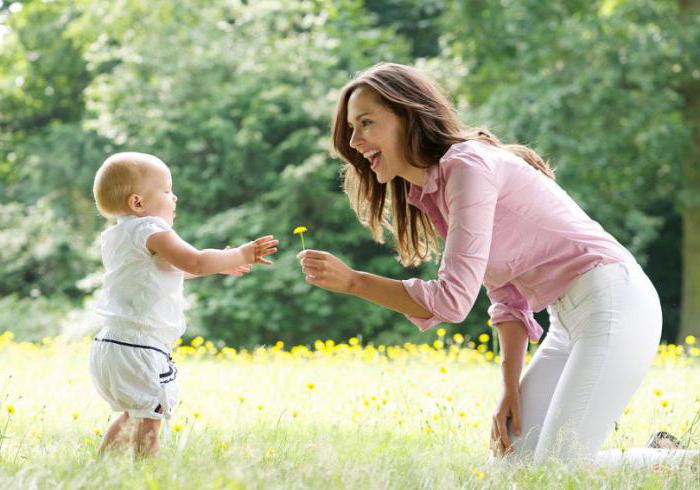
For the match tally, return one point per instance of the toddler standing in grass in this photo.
(142, 297)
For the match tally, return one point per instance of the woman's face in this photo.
(377, 133)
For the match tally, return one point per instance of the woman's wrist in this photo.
(354, 282)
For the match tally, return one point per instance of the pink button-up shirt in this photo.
(505, 224)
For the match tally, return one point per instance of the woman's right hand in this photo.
(326, 271)
(508, 409)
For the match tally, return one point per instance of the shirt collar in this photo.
(416, 193)
(126, 217)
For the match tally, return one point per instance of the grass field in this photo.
(327, 416)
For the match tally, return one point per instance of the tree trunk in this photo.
(690, 201)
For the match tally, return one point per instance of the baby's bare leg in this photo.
(147, 438)
(116, 436)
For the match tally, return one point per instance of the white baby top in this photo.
(139, 288)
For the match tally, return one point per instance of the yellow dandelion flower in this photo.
(443, 370)
(353, 341)
(458, 338)
(690, 339)
(438, 344)
(197, 415)
(310, 386)
(260, 408)
(441, 332)
(241, 399)
(295, 413)
(299, 230)
(98, 432)
(177, 428)
(197, 341)
(461, 414)
(658, 392)
(664, 403)
(10, 409)
(484, 337)
(477, 473)
(75, 415)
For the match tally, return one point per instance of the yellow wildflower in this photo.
(10, 409)
(690, 339)
(441, 332)
(484, 337)
(299, 230)
(477, 473)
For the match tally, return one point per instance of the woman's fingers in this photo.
(499, 435)
(503, 434)
(312, 263)
(515, 420)
(312, 254)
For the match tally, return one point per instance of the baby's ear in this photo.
(134, 202)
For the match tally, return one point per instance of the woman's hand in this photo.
(326, 271)
(508, 410)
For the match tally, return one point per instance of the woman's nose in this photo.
(353, 140)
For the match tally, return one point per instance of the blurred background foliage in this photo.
(237, 97)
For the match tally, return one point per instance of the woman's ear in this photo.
(135, 203)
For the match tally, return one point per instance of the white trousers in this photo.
(603, 335)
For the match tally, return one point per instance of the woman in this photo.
(412, 169)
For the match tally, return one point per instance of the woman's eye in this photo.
(366, 123)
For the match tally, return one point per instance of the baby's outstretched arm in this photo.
(189, 259)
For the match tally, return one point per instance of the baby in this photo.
(142, 295)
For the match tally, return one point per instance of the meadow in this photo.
(328, 415)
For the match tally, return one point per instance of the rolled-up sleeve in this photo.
(508, 304)
(471, 193)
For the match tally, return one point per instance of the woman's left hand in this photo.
(326, 271)
(507, 411)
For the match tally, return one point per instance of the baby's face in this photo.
(158, 197)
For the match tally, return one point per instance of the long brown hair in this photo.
(431, 127)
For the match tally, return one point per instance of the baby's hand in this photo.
(256, 251)
(239, 271)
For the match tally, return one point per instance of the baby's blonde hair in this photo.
(119, 177)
